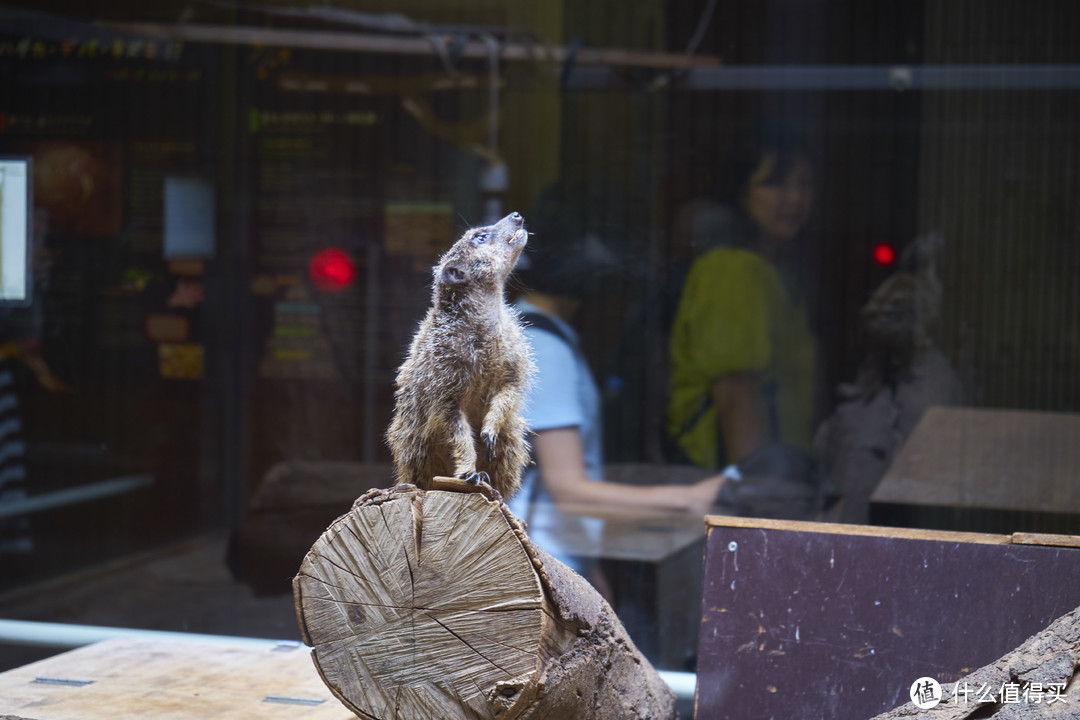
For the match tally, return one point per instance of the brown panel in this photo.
(800, 621)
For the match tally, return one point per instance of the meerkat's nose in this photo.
(511, 227)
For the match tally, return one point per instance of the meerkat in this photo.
(460, 391)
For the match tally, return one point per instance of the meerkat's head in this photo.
(484, 256)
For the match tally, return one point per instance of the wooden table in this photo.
(635, 535)
(169, 681)
(985, 470)
(652, 559)
(647, 535)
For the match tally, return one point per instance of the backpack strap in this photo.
(541, 321)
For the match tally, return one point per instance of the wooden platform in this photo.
(169, 681)
(987, 470)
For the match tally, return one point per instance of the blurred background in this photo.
(235, 207)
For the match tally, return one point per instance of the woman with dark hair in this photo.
(741, 351)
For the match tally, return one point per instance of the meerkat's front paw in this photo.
(475, 477)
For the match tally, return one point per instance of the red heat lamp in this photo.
(884, 254)
(332, 270)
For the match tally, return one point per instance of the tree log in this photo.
(437, 605)
(1047, 660)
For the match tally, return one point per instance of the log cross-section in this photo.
(406, 612)
(437, 605)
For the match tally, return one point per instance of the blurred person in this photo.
(742, 354)
(560, 269)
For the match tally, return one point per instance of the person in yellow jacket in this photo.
(741, 351)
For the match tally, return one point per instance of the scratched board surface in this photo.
(807, 620)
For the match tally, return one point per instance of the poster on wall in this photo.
(78, 184)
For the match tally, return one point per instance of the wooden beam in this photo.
(1023, 538)
(398, 45)
(713, 521)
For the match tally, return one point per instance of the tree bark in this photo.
(436, 604)
(1047, 662)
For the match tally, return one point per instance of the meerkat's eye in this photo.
(480, 238)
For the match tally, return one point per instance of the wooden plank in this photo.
(810, 620)
(713, 521)
(170, 681)
(988, 459)
(1046, 539)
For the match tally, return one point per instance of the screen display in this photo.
(15, 174)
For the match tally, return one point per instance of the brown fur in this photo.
(460, 390)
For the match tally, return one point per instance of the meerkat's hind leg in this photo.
(506, 467)
(462, 444)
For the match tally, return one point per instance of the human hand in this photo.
(701, 496)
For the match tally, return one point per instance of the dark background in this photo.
(294, 372)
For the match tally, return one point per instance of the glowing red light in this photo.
(884, 254)
(332, 270)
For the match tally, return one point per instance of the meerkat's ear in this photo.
(453, 275)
